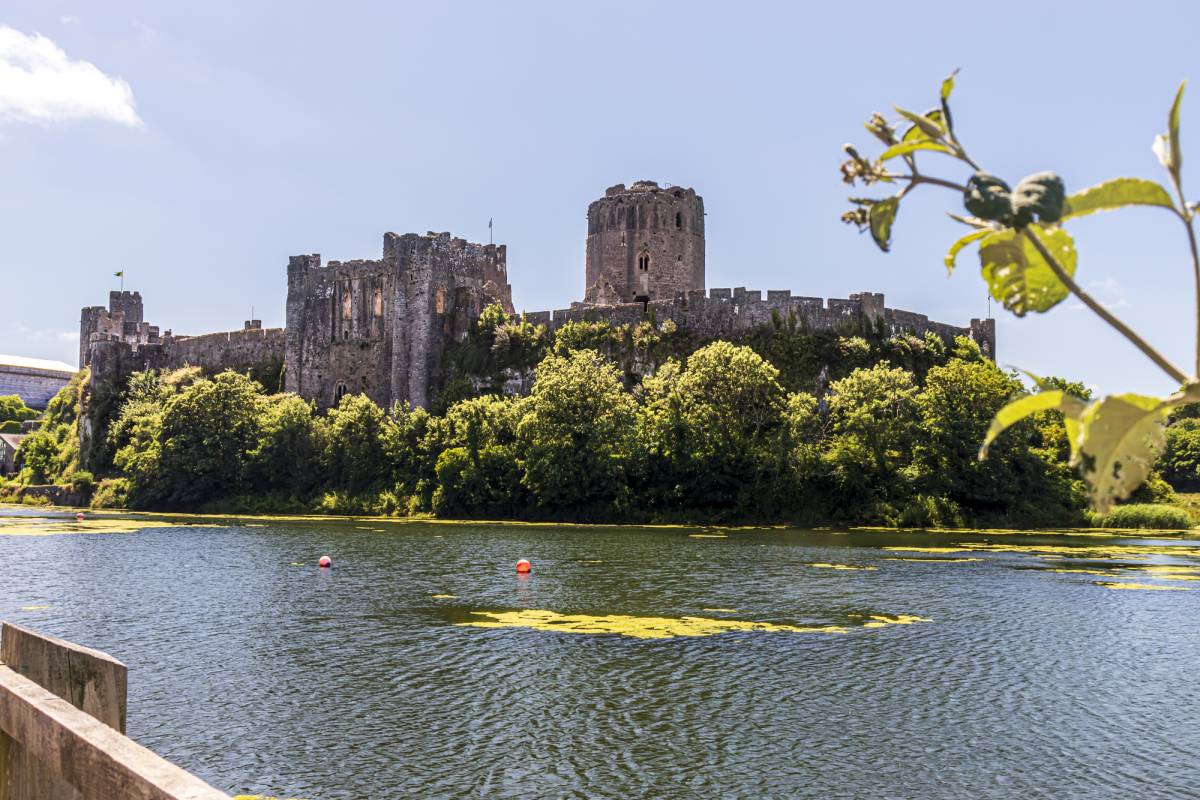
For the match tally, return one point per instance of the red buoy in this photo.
(523, 566)
(325, 562)
(79, 516)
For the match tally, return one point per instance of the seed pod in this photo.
(988, 197)
(1042, 195)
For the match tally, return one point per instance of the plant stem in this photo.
(1177, 374)
(1191, 232)
(917, 179)
(1187, 218)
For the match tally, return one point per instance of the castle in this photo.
(380, 327)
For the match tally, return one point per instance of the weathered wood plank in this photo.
(99, 762)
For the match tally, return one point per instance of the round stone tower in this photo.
(644, 243)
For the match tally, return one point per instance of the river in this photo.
(632, 662)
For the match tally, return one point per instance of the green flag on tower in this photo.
(120, 274)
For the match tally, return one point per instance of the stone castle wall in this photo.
(379, 327)
(729, 312)
(239, 350)
(122, 319)
(644, 242)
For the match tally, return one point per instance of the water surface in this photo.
(261, 673)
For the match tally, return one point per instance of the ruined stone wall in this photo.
(237, 350)
(380, 327)
(644, 242)
(724, 313)
(338, 333)
(123, 319)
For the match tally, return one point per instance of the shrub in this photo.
(82, 482)
(111, 493)
(1143, 515)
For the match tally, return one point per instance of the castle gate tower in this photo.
(644, 243)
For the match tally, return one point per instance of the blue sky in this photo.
(197, 146)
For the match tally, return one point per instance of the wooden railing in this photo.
(62, 728)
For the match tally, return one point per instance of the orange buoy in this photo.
(79, 516)
(523, 566)
(325, 562)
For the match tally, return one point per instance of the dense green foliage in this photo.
(1028, 261)
(52, 451)
(618, 423)
(14, 410)
(1143, 515)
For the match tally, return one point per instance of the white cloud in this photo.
(39, 83)
(69, 19)
(1108, 292)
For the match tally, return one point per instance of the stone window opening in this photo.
(678, 219)
(644, 262)
(339, 391)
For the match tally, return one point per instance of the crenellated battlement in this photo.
(727, 312)
(381, 326)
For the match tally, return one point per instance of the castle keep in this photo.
(644, 243)
(380, 327)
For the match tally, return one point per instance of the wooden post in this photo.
(49, 750)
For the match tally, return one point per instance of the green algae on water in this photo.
(54, 526)
(661, 627)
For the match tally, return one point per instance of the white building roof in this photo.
(37, 363)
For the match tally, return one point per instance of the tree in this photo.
(205, 437)
(478, 472)
(576, 433)
(956, 406)
(872, 423)
(13, 409)
(288, 450)
(1180, 463)
(715, 430)
(1028, 260)
(355, 457)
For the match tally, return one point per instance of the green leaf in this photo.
(904, 148)
(952, 255)
(1119, 438)
(929, 125)
(948, 86)
(1117, 193)
(1173, 131)
(1017, 275)
(881, 215)
(1023, 407)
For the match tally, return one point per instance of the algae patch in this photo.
(929, 549)
(934, 560)
(444, 596)
(849, 567)
(53, 526)
(1141, 586)
(659, 627)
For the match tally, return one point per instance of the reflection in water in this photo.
(265, 675)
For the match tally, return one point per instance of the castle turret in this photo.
(644, 243)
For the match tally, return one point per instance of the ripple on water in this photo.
(288, 681)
